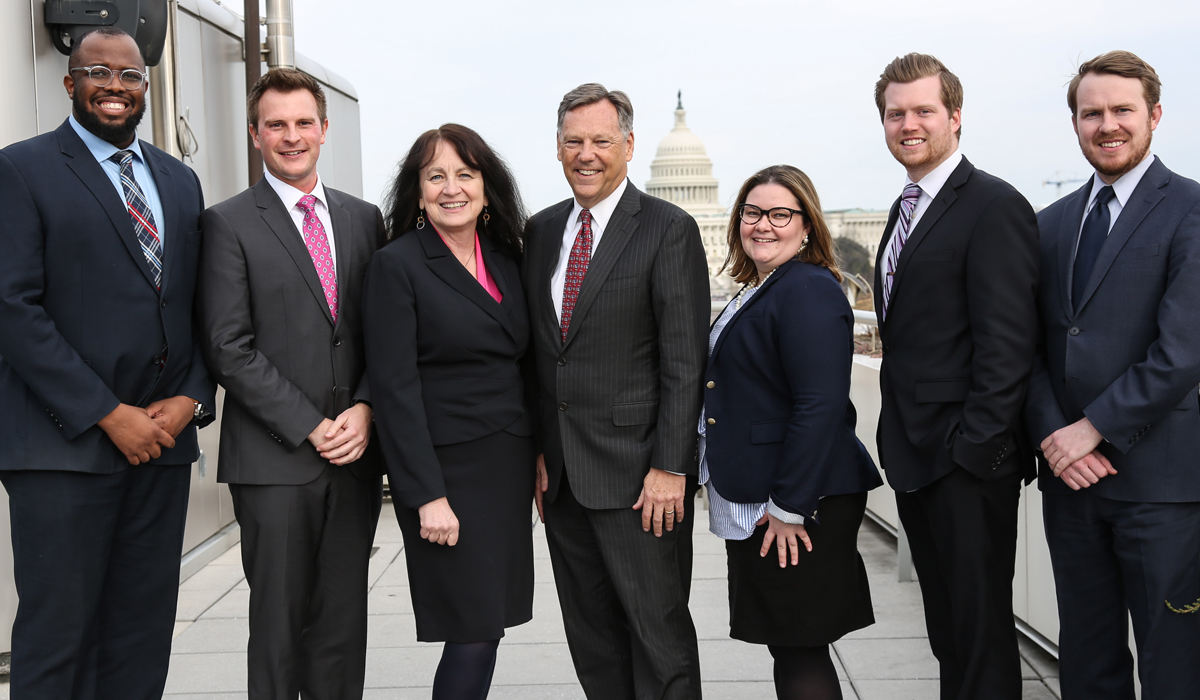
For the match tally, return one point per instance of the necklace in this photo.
(737, 302)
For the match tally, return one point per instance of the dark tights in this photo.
(805, 673)
(465, 671)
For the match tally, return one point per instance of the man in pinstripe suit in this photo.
(618, 299)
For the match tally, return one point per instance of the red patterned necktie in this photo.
(577, 265)
(318, 248)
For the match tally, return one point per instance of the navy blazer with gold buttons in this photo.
(777, 396)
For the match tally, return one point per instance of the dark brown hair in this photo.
(1124, 64)
(911, 68)
(819, 250)
(283, 80)
(506, 211)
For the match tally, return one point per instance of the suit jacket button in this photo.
(562, 362)
(163, 304)
(711, 385)
(712, 421)
(337, 341)
(1074, 330)
(562, 406)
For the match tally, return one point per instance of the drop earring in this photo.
(420, 222)
(803, 245)
(486, 217)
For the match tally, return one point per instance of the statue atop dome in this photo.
(679, 105)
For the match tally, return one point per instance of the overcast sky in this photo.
(764, 81)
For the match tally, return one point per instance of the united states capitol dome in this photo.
(681, 172)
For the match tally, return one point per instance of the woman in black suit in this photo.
(445, 328)
(777, 437)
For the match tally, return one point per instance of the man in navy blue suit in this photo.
(101, 385)
(1113, 398)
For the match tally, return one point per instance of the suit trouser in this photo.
(305, 551)
(624, 599)
(1111, 557)
(96, 562)
(963, 536)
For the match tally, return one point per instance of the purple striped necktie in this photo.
(139, 210)
(908, 203)
(318, 249)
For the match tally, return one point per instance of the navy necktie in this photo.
(1091, 239)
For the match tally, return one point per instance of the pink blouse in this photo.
(481, 272)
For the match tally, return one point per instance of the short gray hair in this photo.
(591, 93)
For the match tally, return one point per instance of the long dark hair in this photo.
(506, 210)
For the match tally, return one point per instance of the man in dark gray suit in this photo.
(281, 280)
(1113, 399)
(618, 299)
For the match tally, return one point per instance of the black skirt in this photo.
(472, 591)
(812, 604)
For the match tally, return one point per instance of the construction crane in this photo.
(1058, 184)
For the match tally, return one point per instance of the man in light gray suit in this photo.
(1113, 398)
(617, 288)
(281, 278)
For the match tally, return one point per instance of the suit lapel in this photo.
(442, 263)
(166, 196)
(343, 236)
(880, 255)
(940, 205)
(1068, 235)
(1145, 197)
(85, 167)
(499, 271)
(280, 222)
(549, 247)
(617, 233)
(749, 304)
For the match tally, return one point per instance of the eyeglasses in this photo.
(101, 76)
(777, 217)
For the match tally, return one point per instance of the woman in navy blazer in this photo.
(786, 476)
(445, 329)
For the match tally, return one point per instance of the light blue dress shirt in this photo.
(103, 150)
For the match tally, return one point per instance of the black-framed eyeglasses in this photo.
(777, 216)
(102, 76)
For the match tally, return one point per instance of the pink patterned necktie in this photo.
(908, 204)
(577, 265)
(318, 248)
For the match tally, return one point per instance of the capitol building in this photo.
(682, 173)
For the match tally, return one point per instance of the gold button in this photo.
(710, 385)
(712, 421)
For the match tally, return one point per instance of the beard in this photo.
(114, 133)
(1137, 153)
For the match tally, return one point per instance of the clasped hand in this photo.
(1072, 455)
(141, 434)
(344, 440)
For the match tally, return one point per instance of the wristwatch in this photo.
(198, 412)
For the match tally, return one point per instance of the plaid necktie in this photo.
(577, 265)
(318, 248)
(908, 203)
(139, 211)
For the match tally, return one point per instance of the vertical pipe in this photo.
(163, 83)
(252, 42)
(281, 44)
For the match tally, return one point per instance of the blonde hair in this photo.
(913, 67)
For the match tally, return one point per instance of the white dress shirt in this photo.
(1123, 189)
(290, 196)
(601, 214)
(930, 185)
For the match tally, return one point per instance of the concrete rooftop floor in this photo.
(887, 661)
